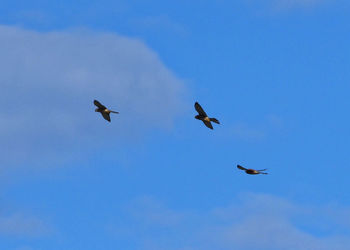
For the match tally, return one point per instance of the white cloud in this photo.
(256, 221)
(49, 80)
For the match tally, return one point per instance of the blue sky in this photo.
(275, 73)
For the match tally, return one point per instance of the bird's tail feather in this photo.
(115, 112)
(214, 120)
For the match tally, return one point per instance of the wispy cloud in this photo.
(49, 80)
(255, 221)
(24, 248)
(244, 131)
(23, 226)
(154, 212)
(160, 23)
(284, 5)
(260, 130)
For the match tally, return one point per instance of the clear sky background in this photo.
(276, 73)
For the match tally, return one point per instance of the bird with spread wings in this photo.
(252, 171)
(204, 117)
(105, 112)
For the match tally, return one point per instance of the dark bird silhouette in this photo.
(204, 117)
(251, 171)
(104, 111)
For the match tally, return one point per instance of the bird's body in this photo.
(204, 117)
(251, 171)
(105, 112)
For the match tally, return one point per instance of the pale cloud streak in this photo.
(254, 221)
(252, 132)
(285, 5)
(160, 23)
(23, 226)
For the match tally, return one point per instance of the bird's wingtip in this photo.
(240, 167)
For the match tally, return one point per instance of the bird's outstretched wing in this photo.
(208, 124)
(99, 105)
(106, 116)
(200, 109)
(240, 167)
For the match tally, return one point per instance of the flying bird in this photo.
(103, 110)
(204, 117)
(251, 171)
